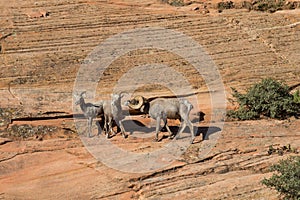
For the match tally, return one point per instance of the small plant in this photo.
(269, 5)
(281, 150)
(269, 98)
(297, 96)
(176, 3)
(26, 131)
(286, 180)
(225, 5)
(246, 4)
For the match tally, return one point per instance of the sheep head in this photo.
(79, 97)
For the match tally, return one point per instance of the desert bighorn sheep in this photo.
(89, 110)
(112, 110)
(163, 109)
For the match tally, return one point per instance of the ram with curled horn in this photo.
(163, 109)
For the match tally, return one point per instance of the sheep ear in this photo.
(76, 95)
(83, 94)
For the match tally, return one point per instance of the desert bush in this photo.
(6, 114)
(274, 5)
(225, 5)
(286, 179)
(26, 131)
(268, 5)
(174, 2)
(269, 98)
(297, 96)
(282, 149)
(245, 4)
(292, 5)
(259, 5)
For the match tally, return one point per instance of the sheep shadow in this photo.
(100, 125)
(206, 131)
(129, 125)
(133, 125)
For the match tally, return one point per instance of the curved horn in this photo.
(123, 93)
(136, 102)
(82, 93)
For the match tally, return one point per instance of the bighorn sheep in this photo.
(163, 109)
(113, 111)
(89, 110)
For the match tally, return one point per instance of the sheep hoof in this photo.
(171, 137)
(113, 134)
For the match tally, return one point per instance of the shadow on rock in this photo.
(206, 131)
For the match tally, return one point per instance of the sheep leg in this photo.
(102, 126)
(168, 128)
(110, 126)
(105, 127)
(108, 135)
(190, 125)
(183, 125)
(122, 129)
(157, 128)
(98, 126)
(90, 120)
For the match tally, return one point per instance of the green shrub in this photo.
(297, 96)
(269, 5)
(245, 4)
(286, 180)
(225, 5)
(176, 3)
(269, 98)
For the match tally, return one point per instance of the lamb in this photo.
(89, 110)
(113, 111)
(163, 109)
